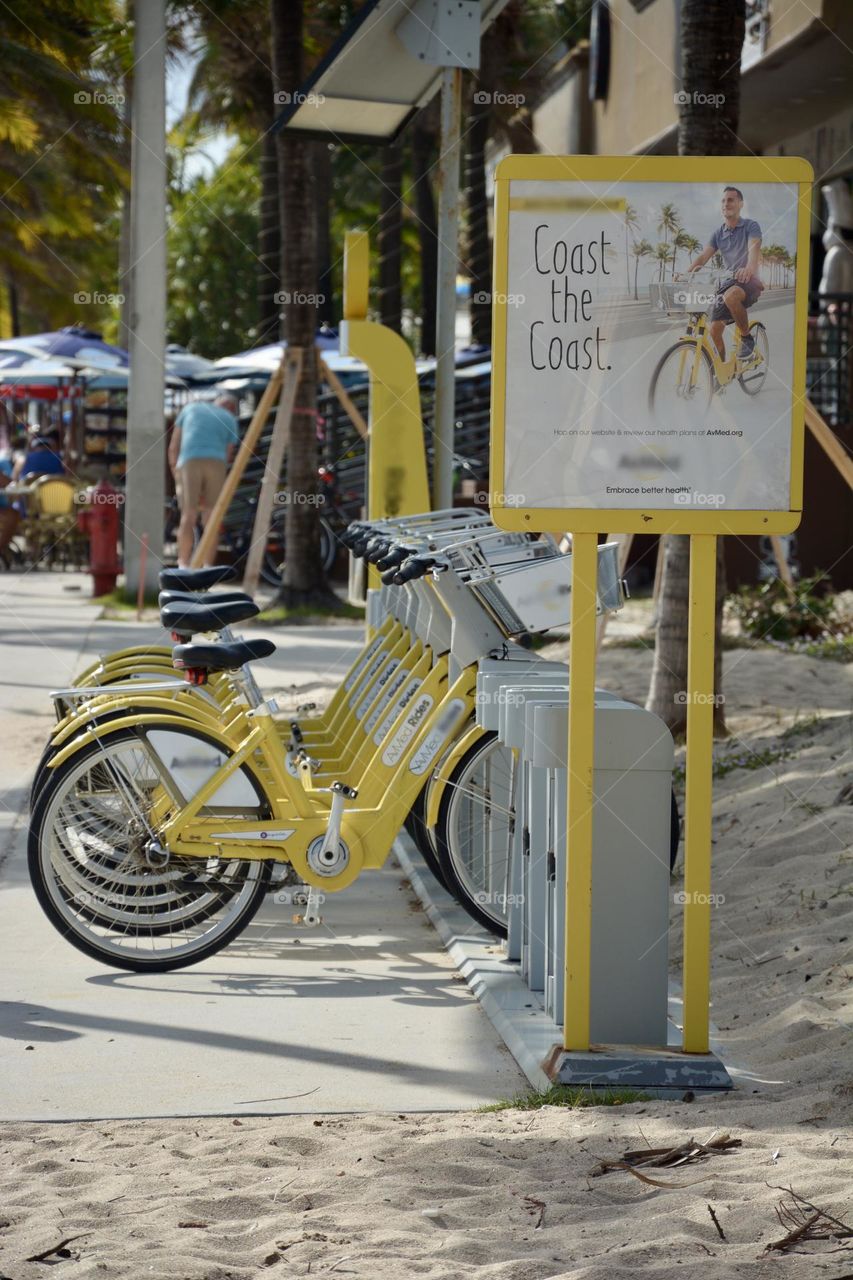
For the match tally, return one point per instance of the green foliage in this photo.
(563, 1095)
(62, 157)
(212, 259)
(770, 612)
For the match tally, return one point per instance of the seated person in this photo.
(40, 459)
(9, 517)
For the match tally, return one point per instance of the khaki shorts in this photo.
(199, 481)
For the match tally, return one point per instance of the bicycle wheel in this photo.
(328, 545)
(753, 380)
(96, 883)
(474, 831)
(423, 837)
(673, 386)
(475, 828)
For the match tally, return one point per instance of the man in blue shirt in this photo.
(738, 242)
(203, 441)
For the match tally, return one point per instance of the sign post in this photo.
(648, 377)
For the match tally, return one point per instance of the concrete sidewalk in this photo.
(365, 1013)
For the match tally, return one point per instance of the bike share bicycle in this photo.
(691, 371)
(161, 809)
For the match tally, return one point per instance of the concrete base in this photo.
(662, 1072)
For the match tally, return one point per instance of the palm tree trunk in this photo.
(711, 40)
(479, 251)
(268, 243)
(303, 579)
(423, 148)
(391, 238)
(323, 199)
(14, 310)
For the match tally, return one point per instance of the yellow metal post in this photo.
(697, 826)
(582, 648)
(396, 457)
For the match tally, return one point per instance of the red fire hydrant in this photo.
(99, 520)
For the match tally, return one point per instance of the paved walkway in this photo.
(365, 1013)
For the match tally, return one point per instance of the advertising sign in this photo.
(649, 343)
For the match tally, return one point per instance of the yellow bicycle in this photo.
(691, 371)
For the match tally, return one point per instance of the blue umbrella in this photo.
(77, 343)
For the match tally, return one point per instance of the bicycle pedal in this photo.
(309, 919)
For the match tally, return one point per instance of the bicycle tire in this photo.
(479, 899)
(754, 382)
(474, 895)
(707, 364)
(76, 924)
(272, 568)
(417, 828)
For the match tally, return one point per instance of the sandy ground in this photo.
(510, 1194)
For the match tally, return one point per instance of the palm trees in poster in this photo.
(631, 222)
(640, 249)
(663, 256)
(779, 264)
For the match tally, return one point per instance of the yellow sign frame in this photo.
(682, 169)
(585, 524)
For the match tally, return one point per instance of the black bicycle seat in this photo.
(198, 659)
(184, 619)
(201, 597)
(196, 579)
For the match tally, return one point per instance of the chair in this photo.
(50, 526)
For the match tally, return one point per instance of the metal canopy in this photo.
(384, 66)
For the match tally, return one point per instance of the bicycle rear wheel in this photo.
(752, 381)
(95, 880)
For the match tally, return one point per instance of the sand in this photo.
(509, 1194)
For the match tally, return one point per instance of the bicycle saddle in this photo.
(184, 619)
(198, 659)
(201, 597)
(195, 579)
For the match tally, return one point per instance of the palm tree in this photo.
(683, 240)
(768, 257)
(232, 89)
(58, 136)
(640, 249)
(662, 255)
(669, 221)
(303, 578)
(789, 265)
(517, 56)
(631, 221)
(711, 42)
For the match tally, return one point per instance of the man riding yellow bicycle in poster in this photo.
(738, 243)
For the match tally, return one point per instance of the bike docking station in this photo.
(601, 423)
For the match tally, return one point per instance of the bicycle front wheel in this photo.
(475, 831)
(93, 873)
(681, 383)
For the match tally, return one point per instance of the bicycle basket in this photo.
(681, 297)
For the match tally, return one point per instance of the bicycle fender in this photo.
(93, 732)
(445, 769)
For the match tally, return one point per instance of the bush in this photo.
(771, 612)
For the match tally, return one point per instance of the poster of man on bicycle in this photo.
(649, 345)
